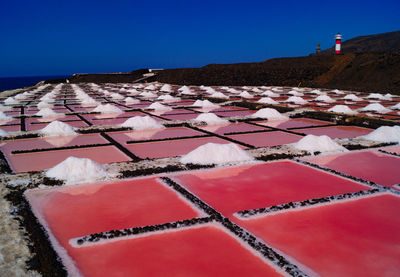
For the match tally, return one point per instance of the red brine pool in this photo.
(337, 131)
(266, 139)
(234, 189)
(351, 238)
(369, 165)
(198, 251)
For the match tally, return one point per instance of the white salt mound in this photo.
(3, 133)
(342, 109)
(267, 100)
(324, 98)
(130, 100)
(218, 95)
(44, 104)
(376, 107)
(376, 96)
(205, 104)
(150, 87)
(210, 119)
(396, 107)
(159, 107)
(214, 153)
(295, 93)
(107, 108)
(11, 101)
(167, 97)
(77, 170)
(352, 97)
(270, 114)
(3, 116)
(296, 100)
(148, 94)
(47, 112)
(142, 123)
(117, 96)
(245, 94)
(311, 143)
(57, 128)
(270, 93)
(166, 88)
(384, 134)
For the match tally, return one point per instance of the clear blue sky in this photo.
(64, 37)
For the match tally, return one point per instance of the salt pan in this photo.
(214, 153)
(270, 114)
(77, 170)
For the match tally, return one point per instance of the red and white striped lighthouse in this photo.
(338, 39)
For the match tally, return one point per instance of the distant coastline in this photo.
(8, 83)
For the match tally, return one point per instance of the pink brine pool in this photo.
(294, 123)
(368, 165)
(266, 139)
(337, 131)
(352, 238)
(198, 251)
(234, 189)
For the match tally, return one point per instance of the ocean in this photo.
(27, 81)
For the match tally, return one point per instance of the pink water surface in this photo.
(369, 165)
(186, 116)
(392, 149)
(294, 123)
(230, 128)
(234, 189)
(34, 127)
(352, 238)
(170, 148)
(337, 131)
(175, 132)
(204, 251)
(45, 160)
(234, 113)
(266, 139)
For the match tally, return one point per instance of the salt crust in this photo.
(384, 134)
(210, 119)
(270, 114)
(142, 123)
(311, 143)
(107, 108)
(214, 153)
(396, 107)
(77, 170)
(57, 128)
(342, 109)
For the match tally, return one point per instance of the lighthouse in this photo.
(338, 39)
